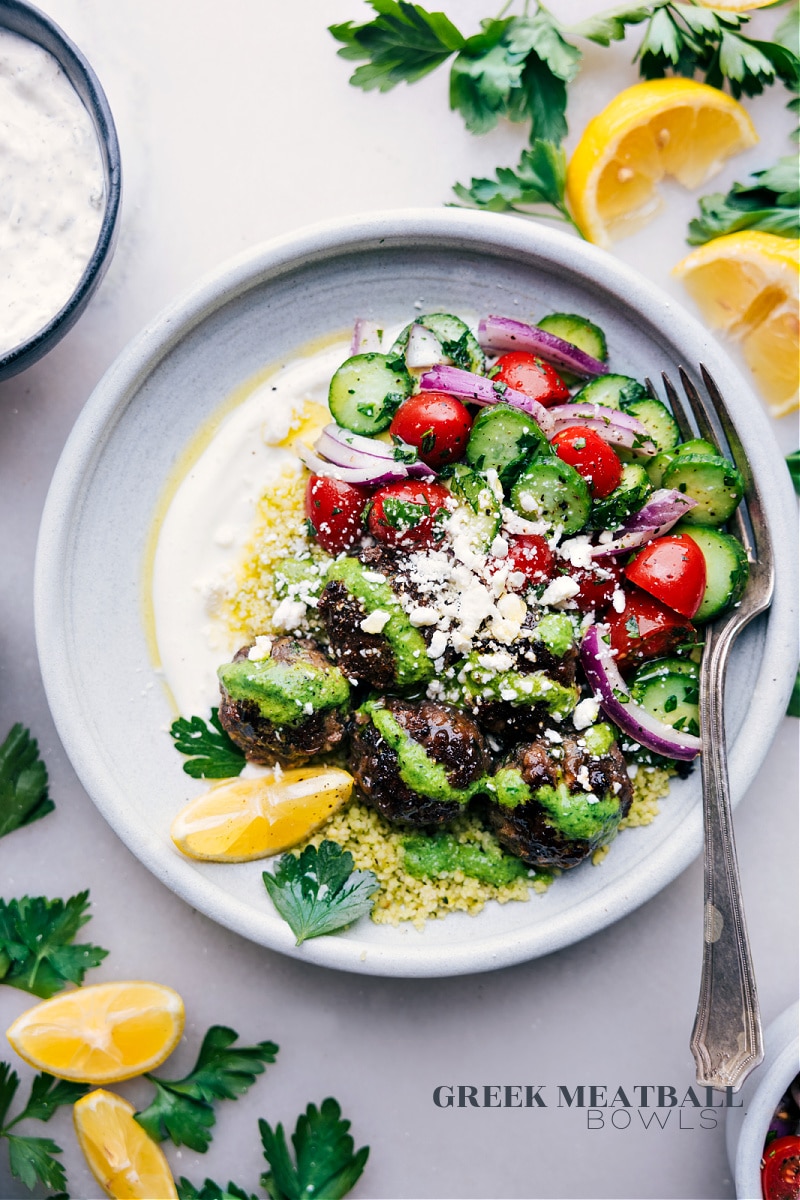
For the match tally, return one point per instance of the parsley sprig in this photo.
(538, 179)
(212, 754)
(182, 1109)
(32, 1159)
(318, 891)
(324, 1166)
(770, 203)
(23, 781)
(36, 950)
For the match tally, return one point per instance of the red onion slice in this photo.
(616, 702)
(496, 334)
(663, 510)
(382, 471)
(617, 428)
(346, 449)
(366, 337)
(615, 436)
(477, 389)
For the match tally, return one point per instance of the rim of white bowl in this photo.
(492, 233)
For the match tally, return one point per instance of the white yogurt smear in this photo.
(211, 519)
(51, 189)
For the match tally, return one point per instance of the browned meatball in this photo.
(288, 707)
(510, 720)
(417, 763)
(557, 802)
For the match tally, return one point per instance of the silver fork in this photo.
(726, 1040)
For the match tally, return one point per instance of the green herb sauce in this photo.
(283, 691)
(427, 857)
(417, 770)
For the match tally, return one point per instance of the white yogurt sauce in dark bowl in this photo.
(60, 183)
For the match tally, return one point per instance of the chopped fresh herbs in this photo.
(793, 463)
(318, 891)
(213, 754)
(403, 514)
(182, 1109)
(325, 1165)
(32, 1159)
(36, 951)
(23, 781)
(458, 350)
(771, 203)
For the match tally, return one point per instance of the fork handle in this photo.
(726, 1040)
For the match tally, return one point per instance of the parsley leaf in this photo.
(402, 44)
(793, 463)
(685, 38)
(32, 1159)
(794, 700)
(325, 1163)
(539, 178)
(182, 1108)
(36, 953)
(770, 204)
(213, 754)
(605, 28)
(211, 1191)
(318, 891)
(23, 781)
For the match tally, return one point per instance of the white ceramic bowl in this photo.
(746, 1127)
(177, 373)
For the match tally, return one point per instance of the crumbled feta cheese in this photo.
(308, 708)
(512, 607)
(499, 661)
(260, 649)
(423, 616)
(438, 644)
(289, 614)
(605, 537)
(585, 713)
(577, 550)
(558, 590)
(375, 621)
(633, 770)
(552, 735)
(618, 600)
(374, 577)
(499, 547)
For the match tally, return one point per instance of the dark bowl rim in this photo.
(27, 21)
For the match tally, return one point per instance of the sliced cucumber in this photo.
(456, 338)
(697, 446)
(552, 491)
(479, 502)
(712, 482)
(658, 421)
(577, 330)
(628, 497)
(727, 568)
(615, 391)
(672, 696)
(655, 467)
(503, 439)
(367, 390)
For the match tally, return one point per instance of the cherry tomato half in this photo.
(335, 510)
(672, 569)
(780, 1169)
(437, 424)
(527, 373)
(528, 555)
(597, 585)
(408, 514)
(585, 450)
(646, 628)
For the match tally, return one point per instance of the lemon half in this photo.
(126, 1163)
(747, 285)
(101, 1033)
(662, 127)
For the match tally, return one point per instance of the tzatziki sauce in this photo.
(51, 189)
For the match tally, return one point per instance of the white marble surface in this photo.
(236, 124)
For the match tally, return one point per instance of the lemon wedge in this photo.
(126, 1163)
(735, 6)
(101, 1033)
(253, 818)
(747, 285)
(661, 127)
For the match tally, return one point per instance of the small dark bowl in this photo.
(29, 22)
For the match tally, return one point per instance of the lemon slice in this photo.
(747, 285)
(253, 818)
(735, 6)
(126, 1163)
(662, 127)
(101, 1033)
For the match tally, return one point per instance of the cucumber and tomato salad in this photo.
(576, 480)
